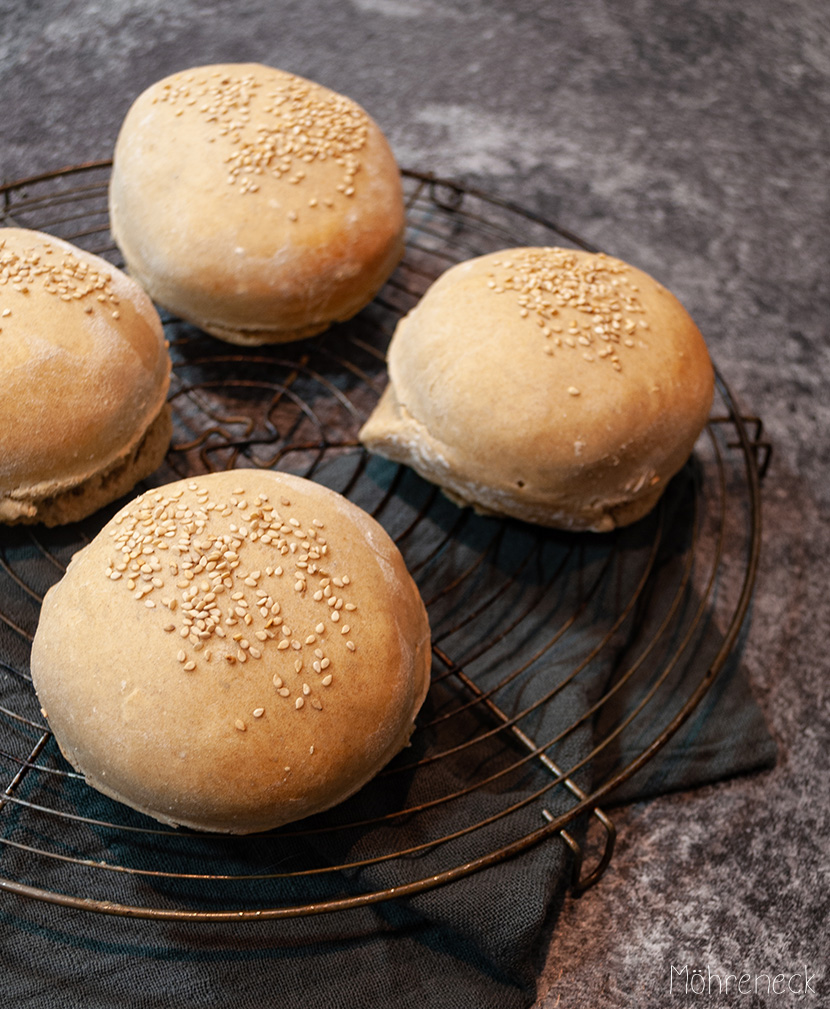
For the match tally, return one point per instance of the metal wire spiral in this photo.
(549, 649)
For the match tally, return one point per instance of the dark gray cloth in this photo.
(470, 943)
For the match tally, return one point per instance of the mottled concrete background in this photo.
(691, 138)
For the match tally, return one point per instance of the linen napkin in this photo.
(472, 942)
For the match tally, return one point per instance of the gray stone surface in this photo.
(691, 138)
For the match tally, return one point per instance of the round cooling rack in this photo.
(562, 662)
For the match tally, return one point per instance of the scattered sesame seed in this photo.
(593, 290)
(207, 564)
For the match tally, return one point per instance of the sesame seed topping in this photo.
(592, 291)
(240, 725)
(275, 127)
(59, 273)
(210, 558)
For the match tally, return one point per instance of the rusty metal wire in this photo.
(635, 625)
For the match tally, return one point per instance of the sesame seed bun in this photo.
(253, 651)
(257, 205)
(556, 386)
(85, 372)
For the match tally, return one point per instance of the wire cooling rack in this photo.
(562, 662)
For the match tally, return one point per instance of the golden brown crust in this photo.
(86, 372)
(192, 664)
(258, 205)
(556, 386)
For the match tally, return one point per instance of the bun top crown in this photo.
(84, 362)
(255, 203)
(556, 385)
